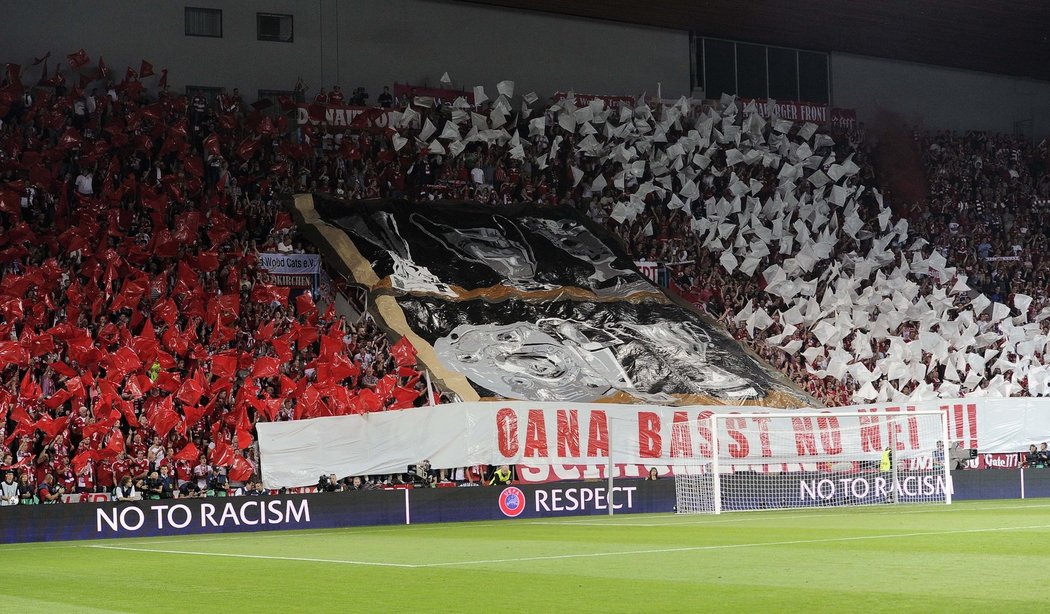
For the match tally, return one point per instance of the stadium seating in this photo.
(134, 307)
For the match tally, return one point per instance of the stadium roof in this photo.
(1010, 38)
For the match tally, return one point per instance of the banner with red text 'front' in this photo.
(463, 434)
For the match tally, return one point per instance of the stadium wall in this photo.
(940, 98)
(76, 521)
(367, 43)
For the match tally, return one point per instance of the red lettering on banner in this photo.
(971, 414)
(705, 433)
(830, 435)
(681, 441)
(957, 420)
(870, 434)
(536, 434)
(568, 433)
(805, 440)
(598, 434)
(740, 449)
(507, 432)
(913, 430)
(649, 444)
(763, 436)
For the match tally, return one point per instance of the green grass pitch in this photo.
(972, 556)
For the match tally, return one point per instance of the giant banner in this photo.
(537, 304)
(463, 434)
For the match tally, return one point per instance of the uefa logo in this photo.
(512, 501)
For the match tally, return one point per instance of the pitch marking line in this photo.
(581, 555)
(256, 556)
(627, 520)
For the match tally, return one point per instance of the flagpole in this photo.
(430, 389)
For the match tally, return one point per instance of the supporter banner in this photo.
(612, 102)
(538, 304)
(292, 270)
(331, 510)
(347, 117)
(290, 264)
(805, 112)
(649, 269)
(464, 434)
(996, 461)
(444, 95)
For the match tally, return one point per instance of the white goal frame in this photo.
(700, 481)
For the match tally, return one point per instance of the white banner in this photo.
(290, 264)
(462, 434)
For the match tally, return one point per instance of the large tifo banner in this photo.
(536, 304)
(464, 434)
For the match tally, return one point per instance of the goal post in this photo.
(769, 461)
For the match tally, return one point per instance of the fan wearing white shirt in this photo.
(83, 183)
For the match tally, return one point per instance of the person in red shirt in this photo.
(120, 468)
(336, 97)
(183, 472)
(105, 479)
(321, 97)
(85, 479)
(139, 466)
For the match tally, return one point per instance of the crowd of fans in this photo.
(140, 339)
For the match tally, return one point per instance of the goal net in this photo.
(740, 462)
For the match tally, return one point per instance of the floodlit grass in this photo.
(971, 556)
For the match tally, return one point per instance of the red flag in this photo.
(103, 70)
(266, 366)
(28, 389)
(145, 70)
(190, 392)
(78, 59)
(211, 144)
(405, 397)
(403, 352)
(369, 400)
(37, 61)
(225, 365)
(241, 470)
(163, 82)
(50, 427)
(244, 433)
(188, 453)
(248, 147)
(304, 304)
(81, 460)
(130, 74)
(114, 446)
(221, 455)
(163, 418)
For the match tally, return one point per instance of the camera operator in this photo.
(328, 483)
(48, 491)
